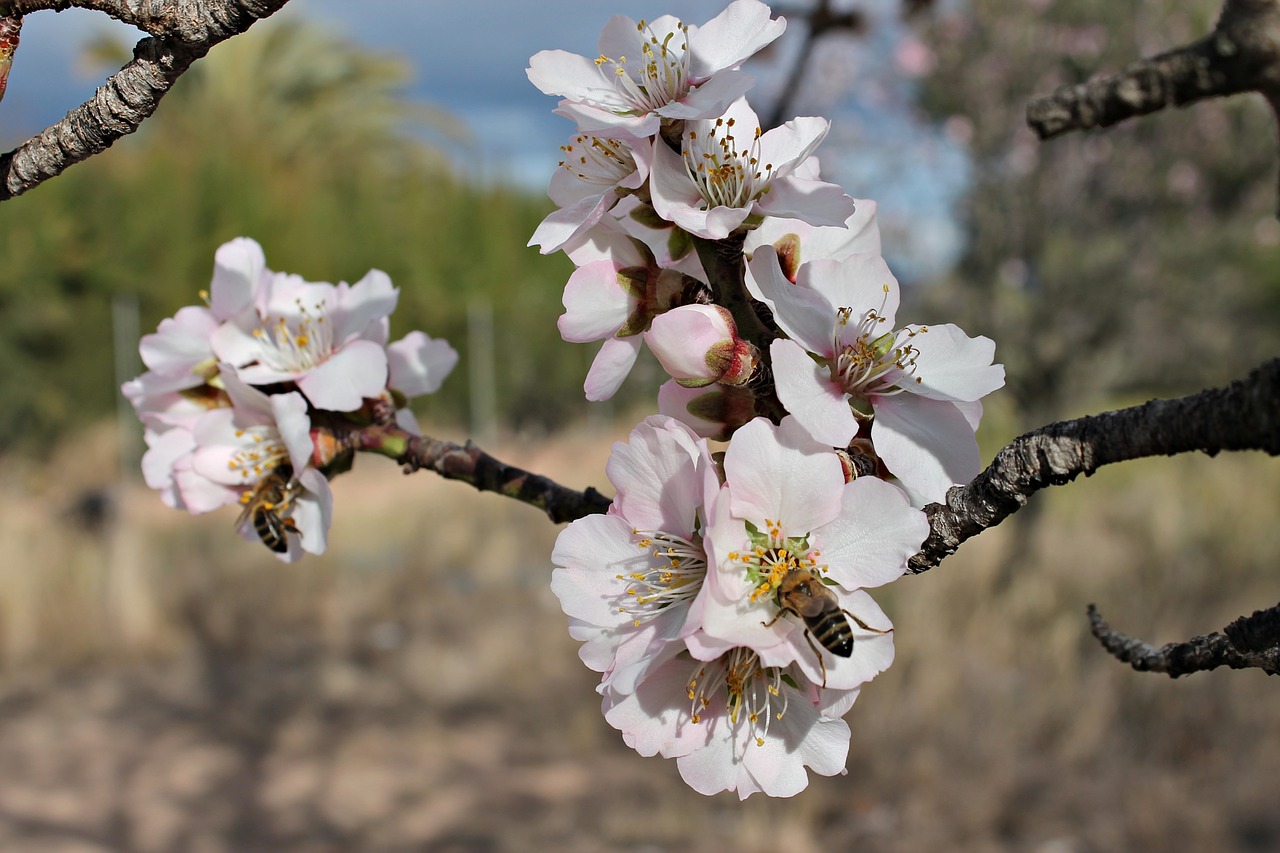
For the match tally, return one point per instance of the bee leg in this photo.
(769, 624)
(808, 636)
(863, 625)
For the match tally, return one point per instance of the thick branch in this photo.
(1242, 416)
(190, 27)
(1250, 642)
(1242, 54)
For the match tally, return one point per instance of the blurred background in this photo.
(165, 686)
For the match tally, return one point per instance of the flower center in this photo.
(750, 691)
(724, 175)
(264, 454)
(773, 556)
(605, 162)
(875, 363)
(675, 574)
(659, 78)
(299, 345)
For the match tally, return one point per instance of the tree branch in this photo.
(470, 464)
(1250, 642)
(1242, 54)
(184, 31)
(1242, 416)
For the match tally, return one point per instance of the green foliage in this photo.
(305, 143)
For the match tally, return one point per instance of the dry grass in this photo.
(169, 687)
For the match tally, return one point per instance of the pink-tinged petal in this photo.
(607, 241)
(655, 719)
(199, 494)
(235, 345)
(599, 121)
(972, 411)
(861, 282)
(800, 739)
(294, 425)
(407, 421)
(809, 393)
(341, 383)
(261, 374)
(728, 39)
(568, 223)
(953, 366)
(669, 183)
(814, 202)
(781, 473)
(927, 444)
(251, 405)
(805, 314)
(598, 299)
(621, 36)
(164, 449)
(658, 476)
(694, 343)
(418, 365)
(239, 271)
(313, 511)
(370, 299)
(591, 553)
(833, 704)
(710, 99)
(790, 145)
(180, 342)
(612, 364)
(569, 75)
(875, 534)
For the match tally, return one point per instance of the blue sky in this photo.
(469, 58)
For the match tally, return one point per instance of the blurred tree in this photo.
(305, 141)
(1137, 260)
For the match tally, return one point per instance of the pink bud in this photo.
(699, 344)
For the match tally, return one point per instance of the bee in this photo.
(267, 505)
(803, 593)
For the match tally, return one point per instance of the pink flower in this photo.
(627, 579)
(327, 340)
(617, 290)
(846, 364)
(729, 169)
(655, 71)
(699, 344)
(733, 724)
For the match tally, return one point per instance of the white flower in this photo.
(651, 71)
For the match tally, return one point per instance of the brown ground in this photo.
(167, 687)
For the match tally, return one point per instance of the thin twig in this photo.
(1199, 654)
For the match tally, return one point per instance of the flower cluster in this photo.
(243, 396)
(724, 603)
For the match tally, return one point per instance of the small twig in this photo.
(1199, 654)
(1242, 416)
(470, 464)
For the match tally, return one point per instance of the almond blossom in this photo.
(699, 344)
(627, 579)
(791, 516)
(728, 169)
(648, 72)
(593, 176)
(845, 364)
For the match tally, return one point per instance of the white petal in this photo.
(811, 395)
(341, 383)
(814, 202)
(953, 366)
(596, 303)
(804, 313)
(875, 534)
(742, 29)
(418, 365)
(927, 444)
(781, 473)
(612, 364)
